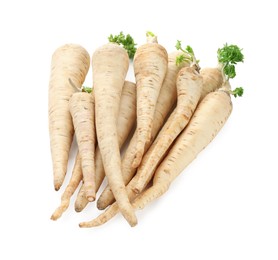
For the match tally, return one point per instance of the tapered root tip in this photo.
(105, 199)
(57, 214)
(77, 209)
(80, 203)
(82, 225)
(130, 217)
(101, 205)
(89, 224)
(134, 223)
(58, 183)
(53, 217)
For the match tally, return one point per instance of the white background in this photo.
(224, 206)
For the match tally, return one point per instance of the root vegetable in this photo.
(110, 65)
(150, 67)
(69, 61)
(82, 110)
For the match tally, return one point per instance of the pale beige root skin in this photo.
(212, 80)
(150, 68)
(127, 113)
(165, 102)
(69, 61)
(82, 111)
(208, 119)
(189, 89)
(125, 124)
(70, 189)
(81, 201)
(110, 65)
(210, 116)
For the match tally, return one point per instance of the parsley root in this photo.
(170, 115)
(83, 116)
(110, 65)
(150, 67)
(69, 61)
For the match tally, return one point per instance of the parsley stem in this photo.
(151, 37)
